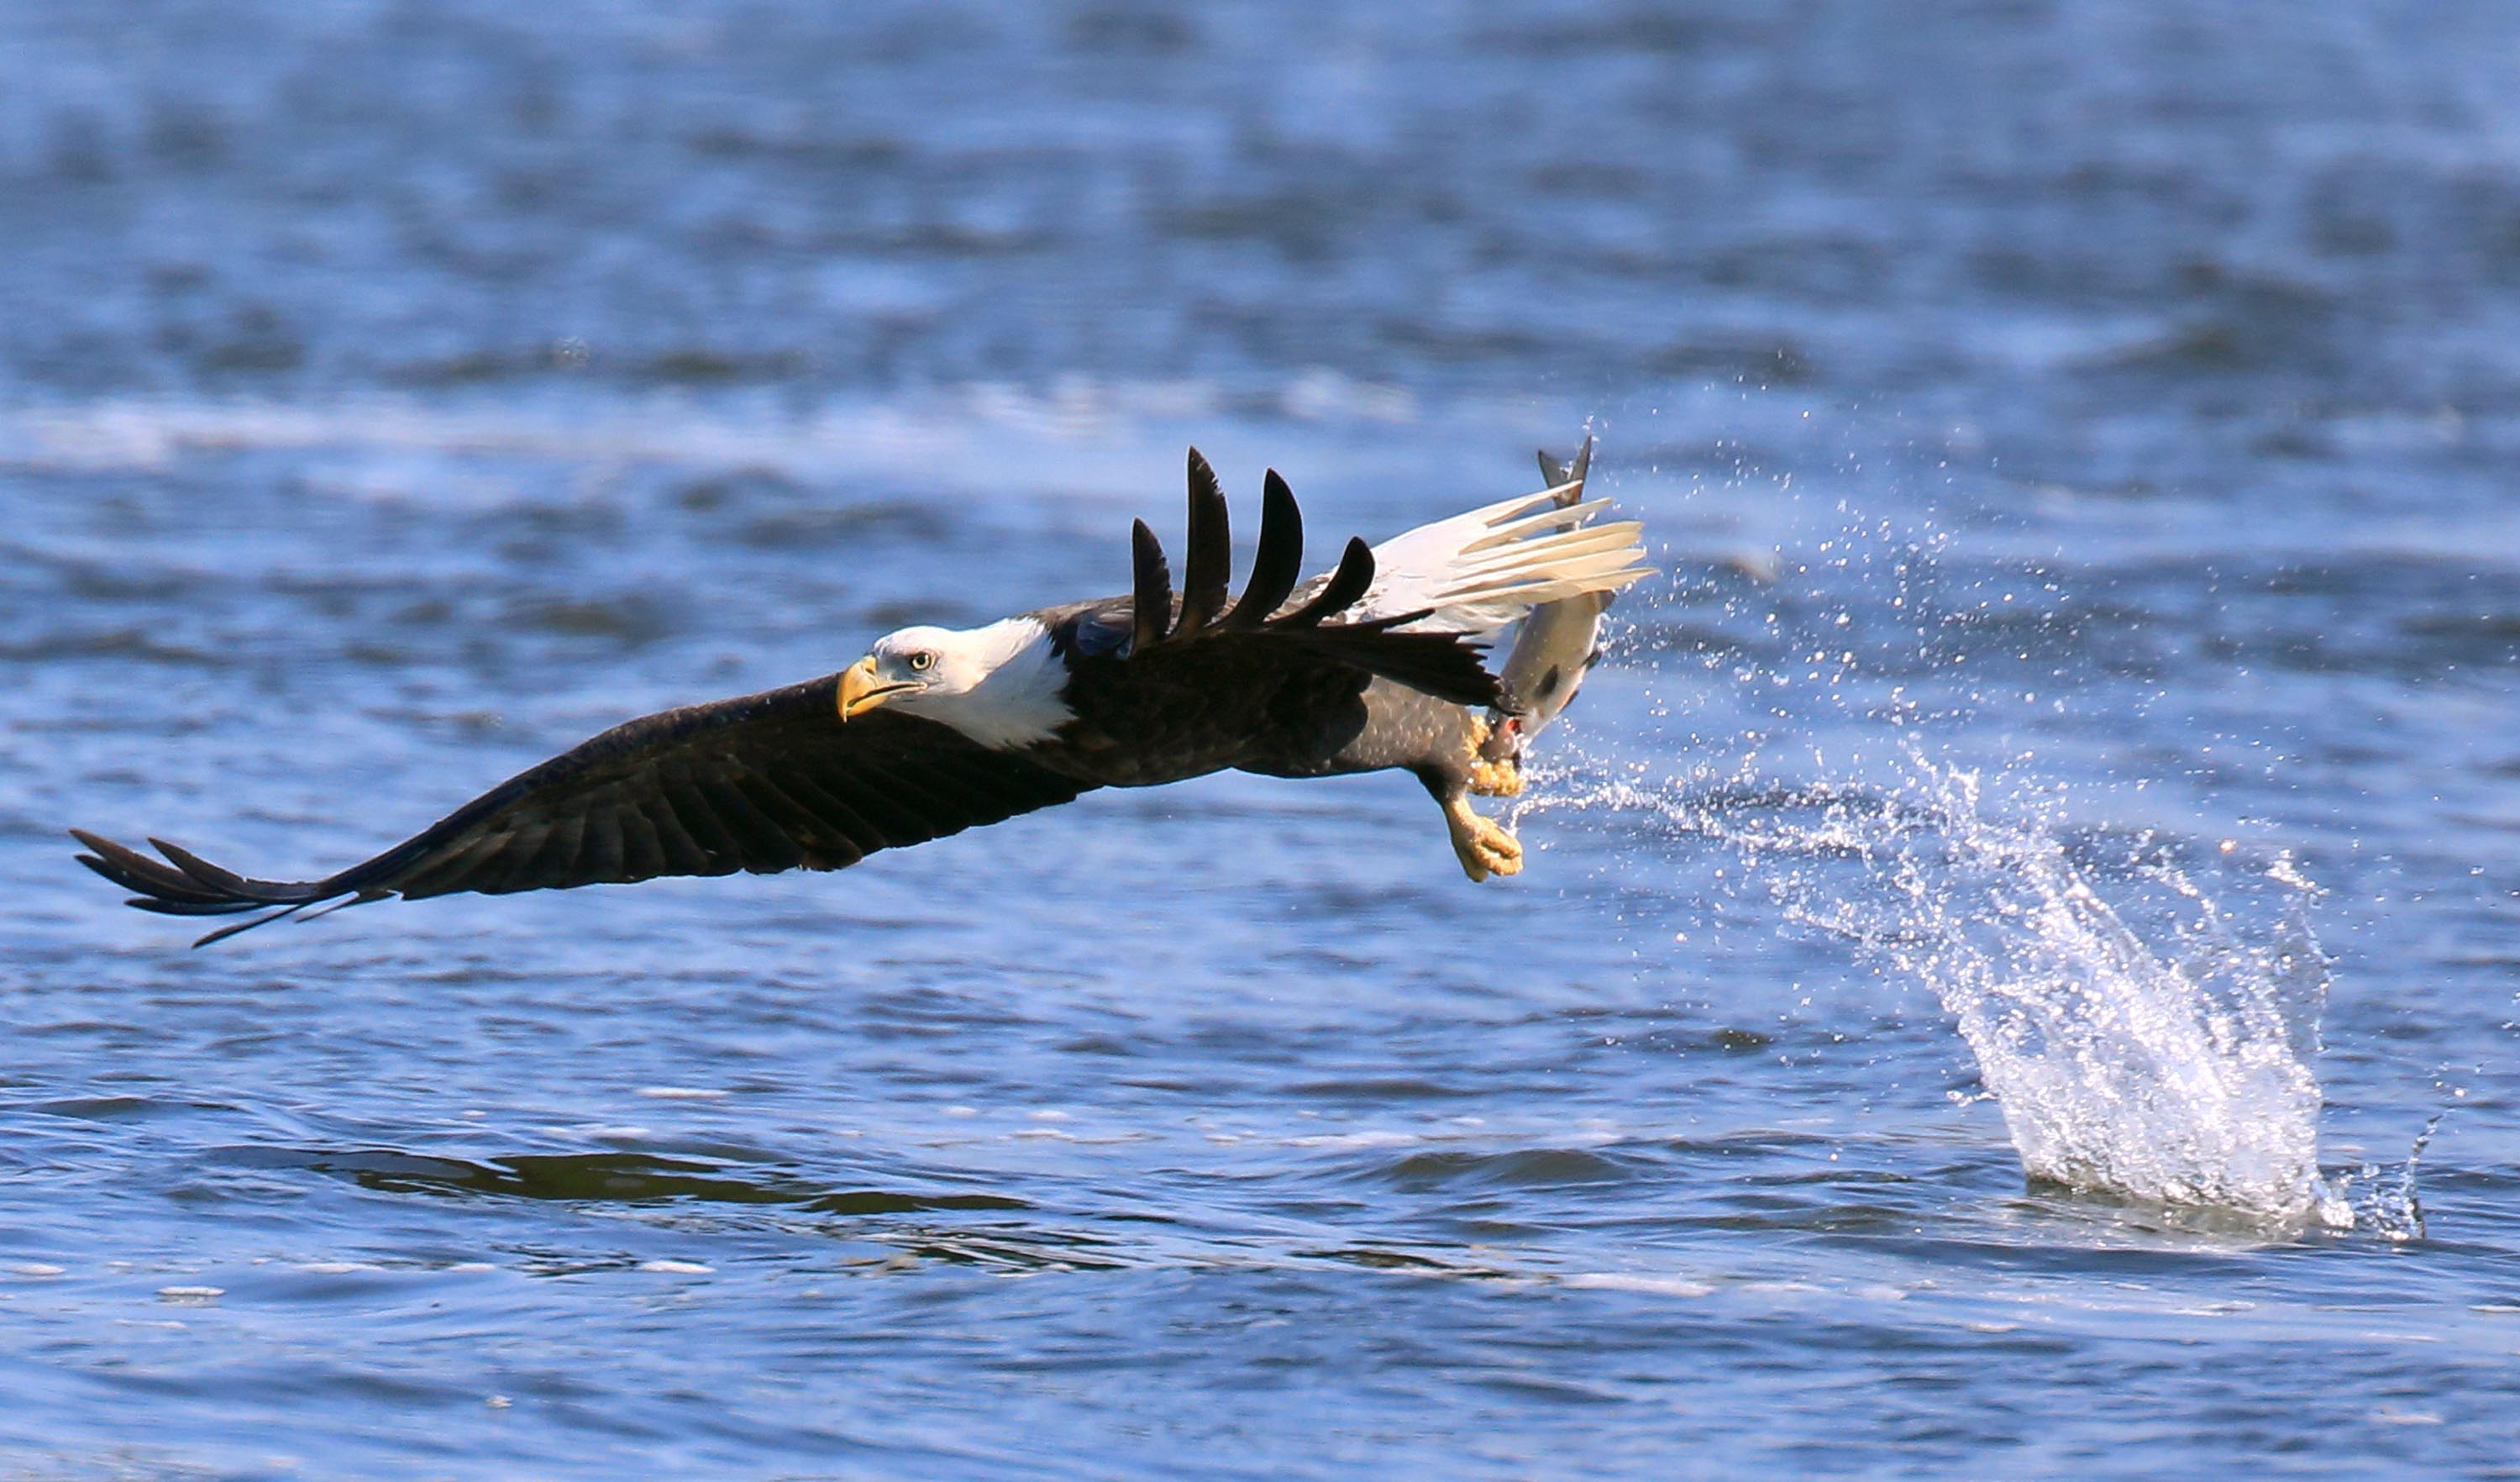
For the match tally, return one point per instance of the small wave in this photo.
(1522, 1168)
(622, 1178)
(117, 644)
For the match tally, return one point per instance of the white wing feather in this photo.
(1487, 569)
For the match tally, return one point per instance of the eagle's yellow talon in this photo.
(1482, 845)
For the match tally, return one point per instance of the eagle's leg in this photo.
(1482, 845)
(1436, 740)
(1497, 775)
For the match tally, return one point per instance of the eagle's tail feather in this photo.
(1554, 509)
(1477, 572)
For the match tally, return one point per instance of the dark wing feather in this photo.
(1153, 603)
(1279, 562)
(764, 782)
(1446, 665)
(1207, 570)
(1346, 586)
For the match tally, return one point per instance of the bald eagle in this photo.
(1376, 663)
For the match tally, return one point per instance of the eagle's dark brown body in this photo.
(1172, 716)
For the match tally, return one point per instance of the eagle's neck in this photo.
(1019, 703)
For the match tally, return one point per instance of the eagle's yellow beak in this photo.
(860, 690)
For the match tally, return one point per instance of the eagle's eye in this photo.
(922, 660)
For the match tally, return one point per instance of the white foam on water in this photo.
(1653, 1286)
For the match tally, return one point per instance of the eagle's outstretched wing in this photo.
(762, 783)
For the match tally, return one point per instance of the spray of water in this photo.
(2177, 1073)
(2145, 1039)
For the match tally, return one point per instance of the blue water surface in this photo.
(2120, 401)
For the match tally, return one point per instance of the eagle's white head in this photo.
(999, 684)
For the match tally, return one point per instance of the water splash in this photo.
(2144, 1039)
(2176, 1073)
(2393, 1209)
